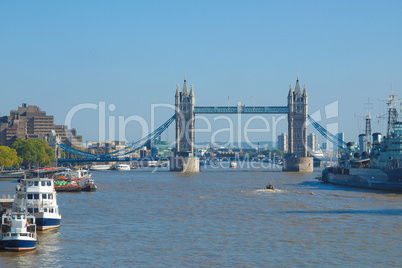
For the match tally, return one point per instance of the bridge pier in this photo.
(298, 164)
(184, 164)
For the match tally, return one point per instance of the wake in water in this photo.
(270, 190)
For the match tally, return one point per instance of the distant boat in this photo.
(233, 164)
(72, 175)
(18, 231)
(318, 154)
(11, 174)
(152, 163)
(122, 167)
(89, 186)
(67, 186)
(99, 167)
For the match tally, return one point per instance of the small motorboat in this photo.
(18, 231)
(89, 186)
(269, 187)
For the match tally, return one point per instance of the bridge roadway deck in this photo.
(241, 109)
(146, 159)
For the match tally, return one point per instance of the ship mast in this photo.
(392, 113)
(368, 126)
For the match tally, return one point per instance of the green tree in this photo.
(8, 157)
(34, 152)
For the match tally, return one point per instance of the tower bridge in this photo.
(297, 111)
(184, 159)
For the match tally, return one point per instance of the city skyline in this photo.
(131, 56)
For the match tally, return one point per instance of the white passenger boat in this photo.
(233, 164)
(122, 167)
(100, 167)
(152, 163)
(18, 231)
(37, 196)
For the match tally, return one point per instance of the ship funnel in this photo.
(362, 144)
(377, 137)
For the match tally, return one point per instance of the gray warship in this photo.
(378, 165)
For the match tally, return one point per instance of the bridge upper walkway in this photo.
(241, 109)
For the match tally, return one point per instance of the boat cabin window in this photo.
(36, 196)
(43, 183)
(30, 183)
(50, 196)
(51, 210)
(49, 183)
(36, 183)
(30, 210)
(45, 210)
(29, 196)
(36, 210)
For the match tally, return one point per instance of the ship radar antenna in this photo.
(392, 112)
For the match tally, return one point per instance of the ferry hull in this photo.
(19, 245)
(47, 223)
(368, 178)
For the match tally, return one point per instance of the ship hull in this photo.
(47, 223)
(389, 180)
(19, 245)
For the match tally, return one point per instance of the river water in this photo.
(218, 217)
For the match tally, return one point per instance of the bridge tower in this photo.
(297, 159)
(183, 158)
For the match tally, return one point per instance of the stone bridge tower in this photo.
(297, 159)
(183, 158)
(184, 105)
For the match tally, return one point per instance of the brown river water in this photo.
(218, 217)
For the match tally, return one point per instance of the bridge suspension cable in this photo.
(132, 147)
(328, 135)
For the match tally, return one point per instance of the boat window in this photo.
(36, 196)
(43, 183)
(36, 210)
(50, 196)
(36, 183)
(44, 196)
(29, 183)
(29, 196)
(49, 183)
(30, 210)
(13, 217)
(45, 210)
(51, 210)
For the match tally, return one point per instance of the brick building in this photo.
(29, 122)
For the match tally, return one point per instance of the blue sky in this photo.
(58, 54)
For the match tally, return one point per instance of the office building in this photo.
(29, 122)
